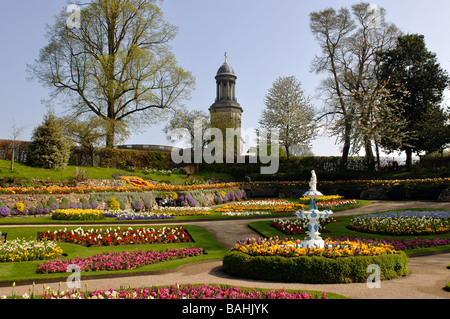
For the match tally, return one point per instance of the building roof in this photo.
(226, 69)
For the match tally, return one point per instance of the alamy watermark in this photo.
(74, 280)
(209, 146)
(374, 280)
(375, 18)
(74, 19)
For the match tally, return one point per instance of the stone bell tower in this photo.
(226, 111)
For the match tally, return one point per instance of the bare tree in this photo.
(15, 132)
(350, 43)
(330, 29)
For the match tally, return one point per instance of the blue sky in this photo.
(264, 40)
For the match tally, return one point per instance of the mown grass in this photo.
(25, 271)
(340, 229)
(26, 174)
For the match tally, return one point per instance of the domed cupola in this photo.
(226, 112)
(226, 87)
(226, 69)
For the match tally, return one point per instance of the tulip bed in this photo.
(78, 214)
(405, 223)
(282, 260)
(300, 226)
(117, 260)
(183, 211)
(132, 215)
(116, 236)
(276, 205)
(291, 248)
(183, 292)
(400, 243)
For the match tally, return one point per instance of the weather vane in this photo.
(226, 56)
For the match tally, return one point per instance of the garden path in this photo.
(428, 274)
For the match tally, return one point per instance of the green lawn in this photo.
(25, 271)
(21, 271)
(27, 174)
(339, 229)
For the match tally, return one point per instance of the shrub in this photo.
(113, 204)
(49, 148)
(315, 270)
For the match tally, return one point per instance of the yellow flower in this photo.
(20, 207)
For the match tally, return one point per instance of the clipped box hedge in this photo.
(314, 270)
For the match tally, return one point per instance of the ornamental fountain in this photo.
(313, 215)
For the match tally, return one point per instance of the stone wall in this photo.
(35, 200)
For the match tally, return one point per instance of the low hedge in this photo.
(314, 270)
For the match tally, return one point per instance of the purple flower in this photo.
(191, 201)
(4, 211)
(138, 206)
(148, 205)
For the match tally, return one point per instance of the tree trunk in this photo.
(408, 152)
(377, 149)
(346, 149)
(110, 136)
(288, 160)
(92, 157)
(370, 158)
(12, 157)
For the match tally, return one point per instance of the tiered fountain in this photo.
(313, 215)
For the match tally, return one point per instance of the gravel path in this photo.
(427, 278)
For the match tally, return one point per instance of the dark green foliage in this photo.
(49, 148)
(417, 81)
(125, 159)
(318, 270)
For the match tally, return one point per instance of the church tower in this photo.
(226, 111)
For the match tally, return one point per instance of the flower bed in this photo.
(299, 226)
(326, 185)
(110, 236)
(405, 223)
(340, 262)
(401, 244)
(27, 250)
(326, 198)
(277, 205)
(117, 260)
(336, 203)
(182, 292)
(132, 215)
(241, 214)
(290, 248)
(78, 214)
(183, 211)
(137, 181)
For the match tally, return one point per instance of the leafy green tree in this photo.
(417, 81)
(288, 110)
(117, 66)
(49, 148)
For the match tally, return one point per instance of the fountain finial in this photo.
(313, 182)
